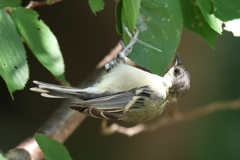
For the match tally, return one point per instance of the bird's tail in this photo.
(56, 91)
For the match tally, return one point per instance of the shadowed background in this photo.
(84, 40)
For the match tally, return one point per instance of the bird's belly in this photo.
(145, 113)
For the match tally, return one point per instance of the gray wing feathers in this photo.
(113, 106)
(98, 113)
(102, 105)
(112, 101)
(108, 107)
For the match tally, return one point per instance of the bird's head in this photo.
(177, 80)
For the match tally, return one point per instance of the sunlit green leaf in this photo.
(206, 7)
(195, 21)
(96, 5)
(13, 63)
(226, 10)
(40, 40)
(10, 3)
(129, 16)
(2, 158)
(160, 25)
(52, 149)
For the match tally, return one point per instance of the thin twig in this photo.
(170, 120)
(33, 4)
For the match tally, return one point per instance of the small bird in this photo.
(125, 93)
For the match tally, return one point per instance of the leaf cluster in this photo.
(160, 23)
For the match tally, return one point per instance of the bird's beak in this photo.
(178, 60)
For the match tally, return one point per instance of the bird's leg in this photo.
(133, 39)
(120, 57)
(110, 65)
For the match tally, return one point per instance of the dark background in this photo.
(84, 40)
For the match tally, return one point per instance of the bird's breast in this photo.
(151, 109)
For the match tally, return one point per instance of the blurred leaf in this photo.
(48, 1)
(10, 3)
(160, 25)
(195, 21)
(2, 158)
(118, 12)
(40, 40)
(129, 16)
(96, 5)
(226, 9)
(52, 149)
(205, 7)
(233, 26)
(13, 63)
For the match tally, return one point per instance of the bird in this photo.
(125, 92)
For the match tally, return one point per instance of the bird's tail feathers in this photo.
(55, 91)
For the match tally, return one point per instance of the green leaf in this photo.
(233, 26)
(13, 63)
(226, 10)
(10, 3)
(2, 158)
(195, 21)
(96, 5)
(48, 1)
(52, 149)
(118, 15)
(205, 7)
(160, 25)
(40, 40)
(129, 15)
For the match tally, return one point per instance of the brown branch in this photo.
(110, 56)
(59, 126)
(33, 4)
(176, 117)
(63, 121)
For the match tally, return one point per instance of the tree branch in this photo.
(61, 123)
(176, 117)
(33, 4)
(64, 121)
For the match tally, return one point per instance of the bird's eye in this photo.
(176, 71)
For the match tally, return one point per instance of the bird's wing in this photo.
(113, 106)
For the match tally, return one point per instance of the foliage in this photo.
(23, 24)
(13, 64)
(2, 158)
(40, 40)
(96, 5)
(51, 148)
(160, 23)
